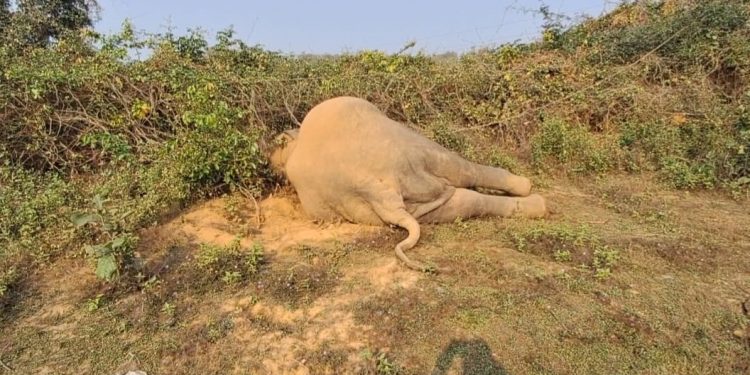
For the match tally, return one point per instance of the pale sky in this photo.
(334, 26)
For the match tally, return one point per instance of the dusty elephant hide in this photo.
(348, 160)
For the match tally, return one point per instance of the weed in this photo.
(116, 251)
(233, 208)
(218, 329)
(7, 278)
(498, 158)
(562, 256)
(168, 311)
(448, 138)
(570, 146)
(95, 303)
(604, 260)
(383, 365)
(231, 264)
(564, 243)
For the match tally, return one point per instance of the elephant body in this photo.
(349, 161)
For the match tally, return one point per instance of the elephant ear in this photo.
(283, 145)
(286, 137)
(292, 134)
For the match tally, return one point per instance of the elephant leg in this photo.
(467, 203)
(462, 173)
(500, 179)
(425, 208)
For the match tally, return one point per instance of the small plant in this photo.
(217, 329)
(93, 304)
(604, 260)
(568, 244)
(116, 250)
(231, 264)
(7, 278)
(233, 208)
(167, 308)
(231, 277)
(562, 255)
(168, 311)
(383, 365)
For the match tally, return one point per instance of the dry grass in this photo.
(672, 303)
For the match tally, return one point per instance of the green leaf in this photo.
(80, 219)
(98, 202)
(106, 266)
(118, 241)
(95, 250)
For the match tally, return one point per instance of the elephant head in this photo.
(284, 144)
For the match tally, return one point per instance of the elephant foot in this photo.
(519, 186)
(534, 206)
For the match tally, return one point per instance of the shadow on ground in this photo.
(476, 355)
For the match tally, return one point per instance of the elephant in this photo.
(348, 161)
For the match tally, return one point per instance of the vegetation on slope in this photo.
(95, 144)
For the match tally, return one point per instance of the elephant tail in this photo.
(409, 223)
(390, 208)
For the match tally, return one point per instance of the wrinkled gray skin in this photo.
(349, 161)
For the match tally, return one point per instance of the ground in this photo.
(624, 277)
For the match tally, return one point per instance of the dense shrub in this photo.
(558, 143)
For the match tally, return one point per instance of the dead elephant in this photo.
(349, 161)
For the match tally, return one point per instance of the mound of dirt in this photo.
(284, 332)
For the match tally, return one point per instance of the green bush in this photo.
(558, 144)
(693, 154)
(691, 35)
(31, 204)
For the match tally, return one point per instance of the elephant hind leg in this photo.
(501, 179)
(462, 173)
(467, 203)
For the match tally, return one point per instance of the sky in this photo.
(336, 26)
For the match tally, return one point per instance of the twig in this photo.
(649, 53)
(6, 367)
(257, 211)
(247, 194)
(291, 113)
(565, 327)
